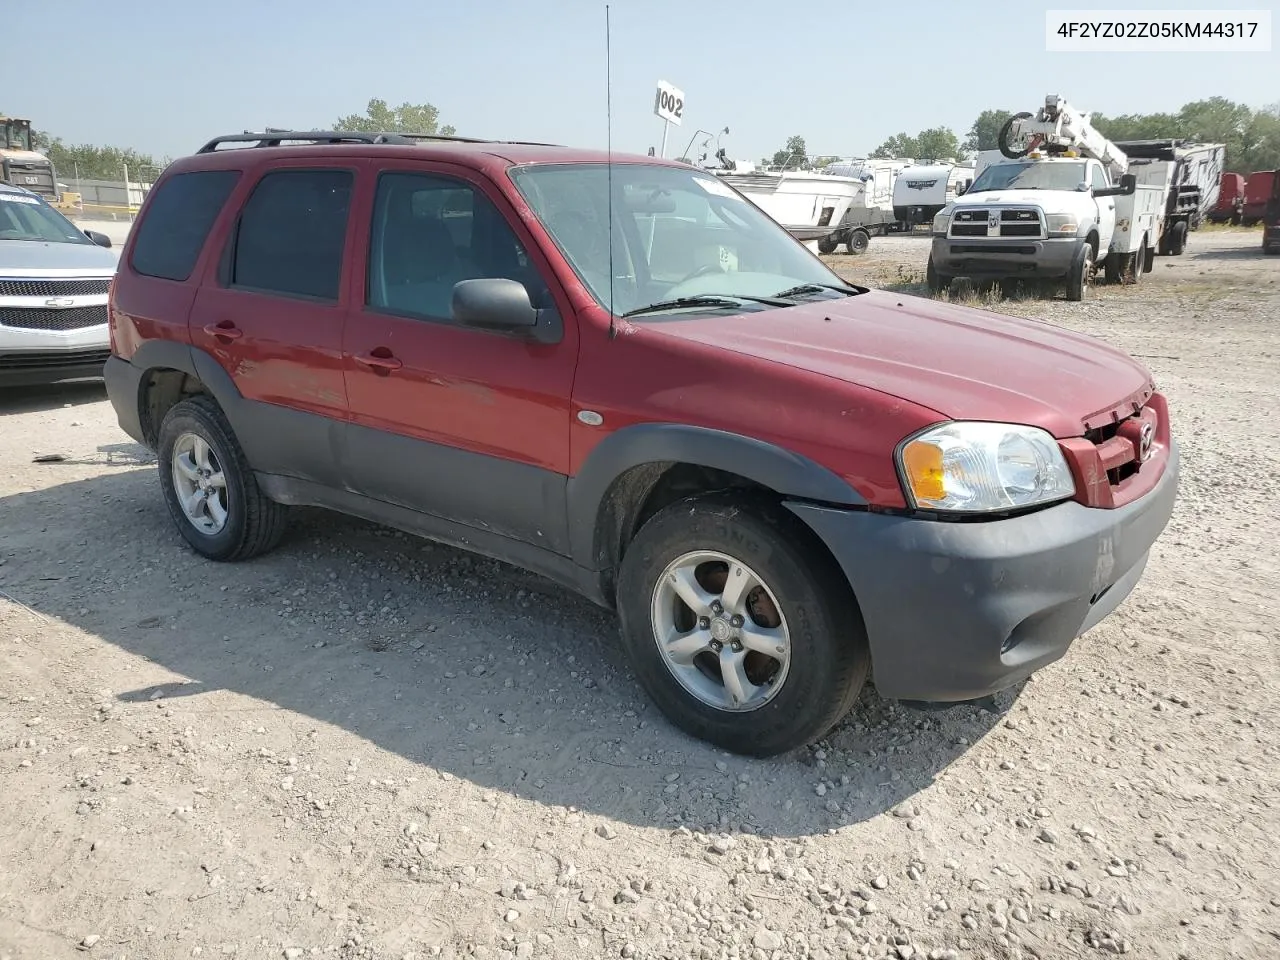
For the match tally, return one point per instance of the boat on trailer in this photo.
(844, 202)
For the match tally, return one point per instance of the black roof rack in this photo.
(272, 137)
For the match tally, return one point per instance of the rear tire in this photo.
(1138, 263)
(697, 548)
(209, 487)
(827, 245)
(858, 242)
(1178, 238)
(1115, 266)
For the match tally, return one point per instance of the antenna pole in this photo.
(608, 110)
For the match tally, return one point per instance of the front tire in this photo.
(209, 488)
(1078, 276)
(936, 282)
(739, 626)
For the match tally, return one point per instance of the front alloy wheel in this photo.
(739, 624)
(719, 631)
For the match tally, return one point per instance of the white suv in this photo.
(53, 293)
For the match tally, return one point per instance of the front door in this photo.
(272, 317)
(467, 425)
(1106, 210)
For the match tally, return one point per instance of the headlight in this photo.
(1062, 224)
(981, 467)
(942, 221)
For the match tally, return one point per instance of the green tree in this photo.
(89, 162)
(985, 132)
(899, 145)
(794, 155)
(936, 143)
(406, 118)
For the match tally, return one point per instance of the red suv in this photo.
(621, 374)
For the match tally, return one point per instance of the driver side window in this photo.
(430, 232)
(1099, 178)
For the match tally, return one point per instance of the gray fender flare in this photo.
(171, 355)
(783, 471)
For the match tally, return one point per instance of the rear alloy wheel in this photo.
(743, 633)
(209, 488)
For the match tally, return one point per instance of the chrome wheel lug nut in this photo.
(737, 646)
(716, 607)
(737, 620)
(704, 623)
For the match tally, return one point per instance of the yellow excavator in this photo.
(23, 166)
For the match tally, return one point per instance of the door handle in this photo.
(379, 360)
(224, 330)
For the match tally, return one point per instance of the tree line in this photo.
(93, 162)
(1252, 137)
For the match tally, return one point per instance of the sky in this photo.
(163, 77)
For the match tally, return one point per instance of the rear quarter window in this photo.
(179, 217)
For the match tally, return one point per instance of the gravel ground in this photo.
(365, 745)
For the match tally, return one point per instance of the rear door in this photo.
(272, 315)
(469, 425)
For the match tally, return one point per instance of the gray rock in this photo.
(767, 940)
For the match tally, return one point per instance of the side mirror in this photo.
(493, 303)
(101, 239)
(1128, 184)
(496, 303)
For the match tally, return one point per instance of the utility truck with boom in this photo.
(1058, 205)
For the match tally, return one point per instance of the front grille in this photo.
(1119, 444)
(1019, 222)
(42, 318)
(54, 288)
(53, 358)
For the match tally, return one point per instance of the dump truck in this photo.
(20, 164)
(1189, 173)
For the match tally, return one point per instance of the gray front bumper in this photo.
(959, 610)
(977, 257)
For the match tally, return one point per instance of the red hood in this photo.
(965, 364)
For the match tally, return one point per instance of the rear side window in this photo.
(179, 216)
(291, 234)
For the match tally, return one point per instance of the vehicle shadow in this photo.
(456, 663)
(52, 396)
(1251, 252)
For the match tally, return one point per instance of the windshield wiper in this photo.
(818, 288)
(708, 300)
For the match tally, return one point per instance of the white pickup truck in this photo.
(1054, 218)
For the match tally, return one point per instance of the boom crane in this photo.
(1058, 128)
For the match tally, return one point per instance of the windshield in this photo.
(677, 234)
(1031, 175)
(27, 217)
